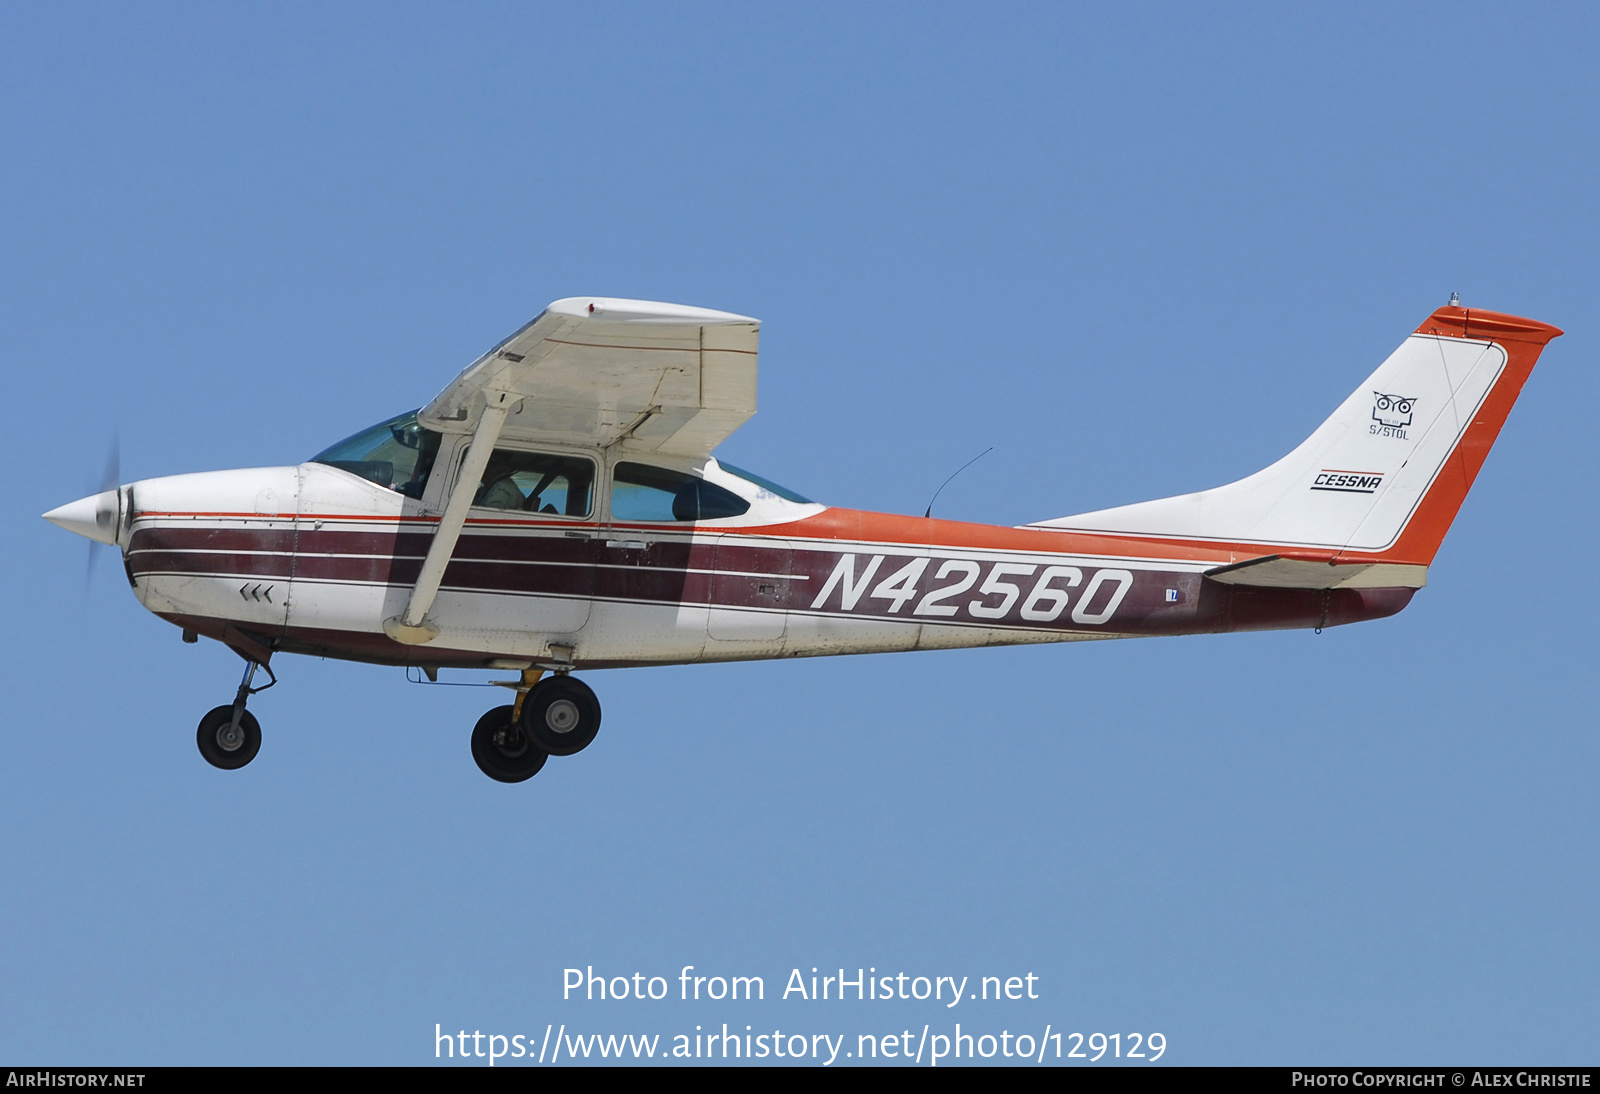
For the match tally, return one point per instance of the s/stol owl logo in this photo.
(1391, 414)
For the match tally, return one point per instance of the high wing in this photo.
(593, 371)
(589, 371)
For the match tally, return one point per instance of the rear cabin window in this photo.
(537, 482)
(766, 484)
(642, 492)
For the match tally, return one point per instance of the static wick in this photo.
(946, 482)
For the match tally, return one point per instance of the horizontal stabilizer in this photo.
(1284, 572)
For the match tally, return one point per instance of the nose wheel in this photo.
(229, 736)
(225, 743)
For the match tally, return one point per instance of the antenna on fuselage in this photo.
(947, 482)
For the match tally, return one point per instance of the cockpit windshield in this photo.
(397, 454)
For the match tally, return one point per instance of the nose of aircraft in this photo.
(94, 517)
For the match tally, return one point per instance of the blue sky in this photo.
(1139, 251)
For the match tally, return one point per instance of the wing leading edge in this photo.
(595, 371)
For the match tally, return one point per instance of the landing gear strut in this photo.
(229, 736)
(557, 717)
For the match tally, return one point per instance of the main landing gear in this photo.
(229, 736)
(556, 717)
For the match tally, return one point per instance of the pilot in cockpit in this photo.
(499, 489)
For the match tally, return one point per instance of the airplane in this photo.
(558, 508)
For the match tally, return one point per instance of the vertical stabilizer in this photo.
(1385, 475)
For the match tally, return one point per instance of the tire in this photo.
(562, 715)
(209, 737)
(506, 761)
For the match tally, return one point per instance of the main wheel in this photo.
(503, 751)
(562, 715)
(226, 747)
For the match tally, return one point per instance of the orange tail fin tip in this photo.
(1523, 340)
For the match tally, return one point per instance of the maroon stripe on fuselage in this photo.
(210, 563)
(938, 587)
(189, 537)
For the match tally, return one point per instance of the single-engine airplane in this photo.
(557, 507)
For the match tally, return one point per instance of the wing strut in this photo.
(412, 626)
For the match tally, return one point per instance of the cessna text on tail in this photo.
(557, 508)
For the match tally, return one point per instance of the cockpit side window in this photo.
(537, 482)
(642, 492)
(397, 454)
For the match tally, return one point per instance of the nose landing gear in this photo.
(229, 736)
(557, 717)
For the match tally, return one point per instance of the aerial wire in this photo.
(958, 471)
